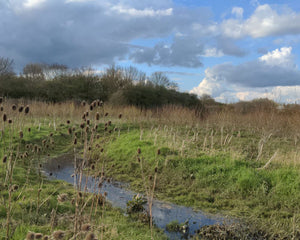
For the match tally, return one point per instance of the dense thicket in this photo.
(57, 83)
(121, 86)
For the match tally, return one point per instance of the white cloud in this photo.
(147, 12)
(273, 75)
(213, 52)
(264, 22)
(33, 3)
(237, 11)
(279, 57)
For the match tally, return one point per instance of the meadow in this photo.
(244, 165)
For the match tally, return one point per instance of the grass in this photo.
(224, 164)
(212, 181)
(30, 203)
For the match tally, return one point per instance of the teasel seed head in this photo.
(1, 109)
(83, 103)
(82, 125)
(150, 177)
(38, 236)
(139, 151)
(86, 113)
(88, 121)
(68, 122)
(91, 107)
(156, 169)
(29, 129)
(75, 141)
(1, 100)
(106, 114)
(14, 187)
(97, 116)
(120, 115)
(10, 121)
(21, 134)
(26, 110)
(70, 131)
(158, 151)
(86, 227)
(57, 235)
(21, 108)
(90, 236)
(51, 135)
(14, 107)
(4, 159)
(30, 236)
(46, 237)
(4, 117)
(109, 123)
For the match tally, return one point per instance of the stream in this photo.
(118, 194)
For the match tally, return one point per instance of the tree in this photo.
(34, 70)
(161, 79)
(113, 80)
(6, 66)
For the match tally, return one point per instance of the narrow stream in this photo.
(118, 195)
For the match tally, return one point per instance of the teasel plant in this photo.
(149, 184)
(11, 156)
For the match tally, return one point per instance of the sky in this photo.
(232, 50)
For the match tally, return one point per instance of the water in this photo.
(118, 195)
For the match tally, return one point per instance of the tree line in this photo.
(119, 85)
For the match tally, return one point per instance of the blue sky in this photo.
(231, 50)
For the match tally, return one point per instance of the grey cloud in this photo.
(93, 33)
(228, 47)
(182, 52)
(256, 74)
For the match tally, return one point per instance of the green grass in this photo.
(107, 222)
(216, 182)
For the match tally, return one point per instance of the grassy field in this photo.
(244, 165)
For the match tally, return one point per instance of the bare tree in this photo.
(161, 79)
(53, 70)
(6, 66)
(34, 70)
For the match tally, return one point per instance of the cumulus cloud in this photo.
(274, 71)
(265, 21)
(88, 32)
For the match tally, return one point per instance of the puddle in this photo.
(118, 194)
